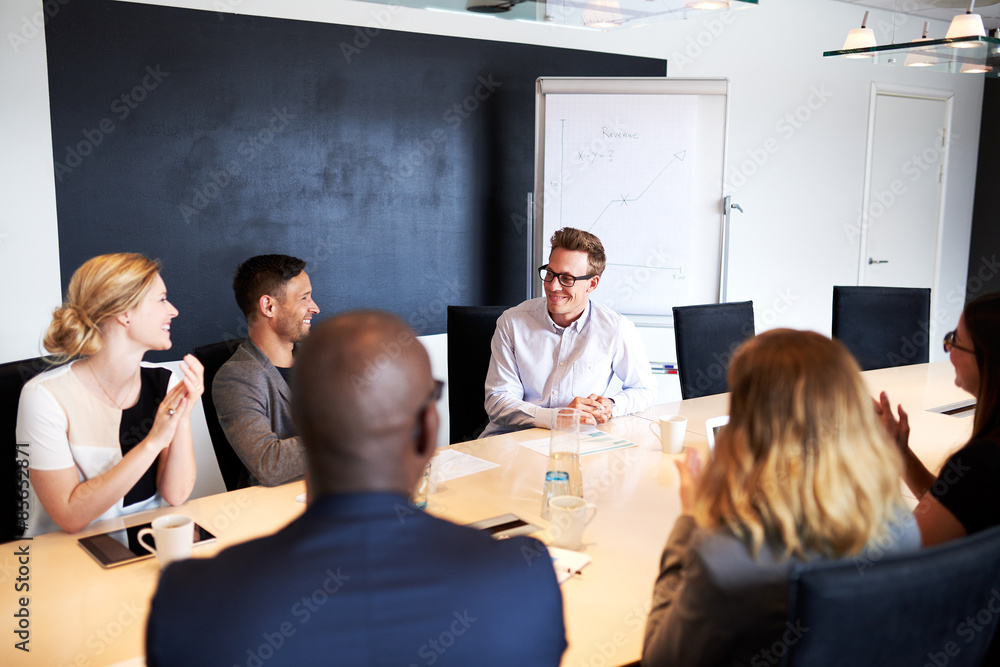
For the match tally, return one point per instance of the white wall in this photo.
(797, 140)
(798, 236)
(29, 256)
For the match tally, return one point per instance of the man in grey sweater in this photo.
(250, 390)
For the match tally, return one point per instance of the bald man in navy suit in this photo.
(362, 578)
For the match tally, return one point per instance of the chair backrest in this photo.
(234, 474)
(937, 606)
(13, 376)
(470, 330)
(883, 326)
(706, 337)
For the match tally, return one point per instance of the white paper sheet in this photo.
(592, 442)
(454, 464)
(567, 563)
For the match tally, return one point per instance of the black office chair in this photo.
(13, 376)
(470, 330)
(706, 337)
(234, 474)
(935, 606)
(883, 327)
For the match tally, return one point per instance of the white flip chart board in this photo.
(641, 164)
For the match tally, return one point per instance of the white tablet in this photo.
(712, 428)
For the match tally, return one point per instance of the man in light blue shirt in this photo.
(561, 350)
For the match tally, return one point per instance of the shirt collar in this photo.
(577, 324)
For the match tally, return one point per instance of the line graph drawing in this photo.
(623, 200)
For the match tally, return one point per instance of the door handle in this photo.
(877, 261)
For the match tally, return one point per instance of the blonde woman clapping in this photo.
(107, 435)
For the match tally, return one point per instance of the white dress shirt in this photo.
(538, 366)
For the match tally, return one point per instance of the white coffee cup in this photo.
(569, 518)
(173, 534)
(671, 433)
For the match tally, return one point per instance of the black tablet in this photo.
(119, 547)
(505, 525)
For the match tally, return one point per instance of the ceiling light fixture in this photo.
(587, 14)
(708, 5)
(860, 38)
(918, 59)
(966, 25)
(966, 49)
(603, 14)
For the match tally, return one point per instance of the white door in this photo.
(905, 189)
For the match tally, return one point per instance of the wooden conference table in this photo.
(81, 614)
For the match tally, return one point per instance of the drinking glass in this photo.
(564, 448)
(556, 484)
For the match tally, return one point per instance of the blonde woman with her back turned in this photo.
(802, 472)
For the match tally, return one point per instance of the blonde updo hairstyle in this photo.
(103, 288)
(804, 462)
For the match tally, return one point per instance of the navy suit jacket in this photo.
(357, 580)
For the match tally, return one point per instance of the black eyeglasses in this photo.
(566, 280)
(434, 397)
(949, 343)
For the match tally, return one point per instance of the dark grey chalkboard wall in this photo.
(395, 164)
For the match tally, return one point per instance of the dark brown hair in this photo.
(982, 319)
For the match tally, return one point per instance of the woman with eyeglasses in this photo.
(965, 497)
